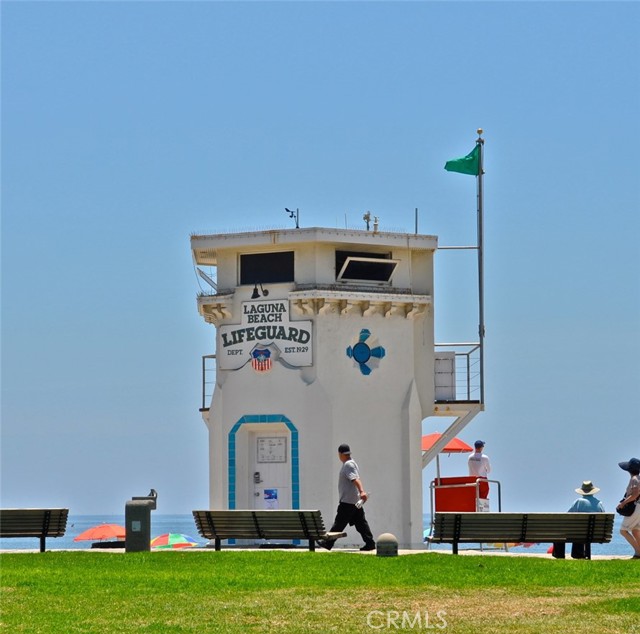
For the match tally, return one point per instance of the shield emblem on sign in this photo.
(261, 360)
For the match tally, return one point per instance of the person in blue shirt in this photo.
(586, 503)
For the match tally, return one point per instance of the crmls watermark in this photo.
(392, 619)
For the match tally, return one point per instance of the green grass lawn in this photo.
(265, 591)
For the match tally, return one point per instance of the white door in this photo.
(445, 376)
(270, 478)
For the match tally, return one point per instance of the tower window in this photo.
(367, 267)
(266, 268)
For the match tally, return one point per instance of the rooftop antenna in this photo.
(294, 214)
(367, 219)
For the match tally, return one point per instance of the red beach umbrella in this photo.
(103, 531)
(455, 445)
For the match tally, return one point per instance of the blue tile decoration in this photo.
(365, 357)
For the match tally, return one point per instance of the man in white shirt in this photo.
(479, 464)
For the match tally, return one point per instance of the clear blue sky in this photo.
(128, 126)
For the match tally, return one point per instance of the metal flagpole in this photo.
(480, 144)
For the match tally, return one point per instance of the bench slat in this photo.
(260, 524)
(40, 523)
(457, 528)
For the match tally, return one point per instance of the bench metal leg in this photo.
(455, 548)
(312, 545)
(43, 539)
(218, 544)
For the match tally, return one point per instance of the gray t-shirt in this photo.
(346, 488)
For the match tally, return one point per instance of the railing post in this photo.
(204, 380)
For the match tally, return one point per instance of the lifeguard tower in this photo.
(325, 336)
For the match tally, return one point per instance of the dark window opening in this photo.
(361, 266)
(266, 268)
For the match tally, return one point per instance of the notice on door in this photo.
(271, 499)
(272, 449)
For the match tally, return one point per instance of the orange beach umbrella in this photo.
(103, 531)
(455, 445)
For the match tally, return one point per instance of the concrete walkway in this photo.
(402, 552)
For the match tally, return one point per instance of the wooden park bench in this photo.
(247, 524)
(41, 523)
(460, 528)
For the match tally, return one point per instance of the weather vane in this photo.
(294, 214)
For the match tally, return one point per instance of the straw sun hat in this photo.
(587, 488)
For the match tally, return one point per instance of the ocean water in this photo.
(77, 524)
(185, 524)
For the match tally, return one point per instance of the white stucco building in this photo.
(323, 336)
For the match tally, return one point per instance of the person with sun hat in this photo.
(586, 503)
(630, 528)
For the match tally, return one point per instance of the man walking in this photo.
(352, 496)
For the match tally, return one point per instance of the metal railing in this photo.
(208, 380)
(467, 371)
(435, 484)
(468, 378)
(479, 508)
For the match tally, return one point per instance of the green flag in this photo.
(469, 164)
